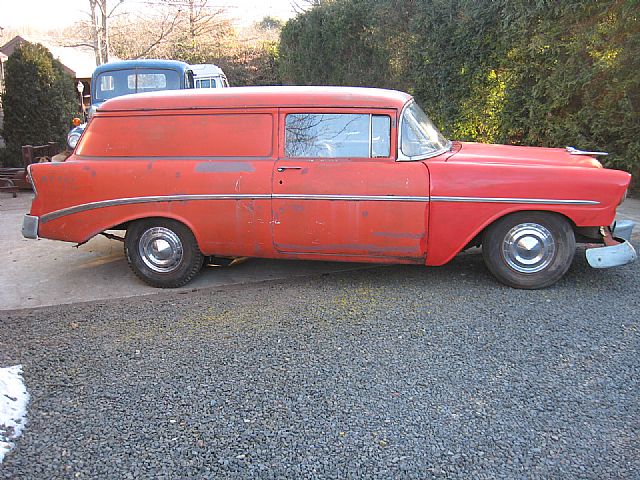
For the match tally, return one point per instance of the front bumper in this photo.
(30, 226)
(620, 252)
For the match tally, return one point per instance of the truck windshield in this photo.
(419, 137)
(124, 82)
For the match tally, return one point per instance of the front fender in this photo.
(466, 198)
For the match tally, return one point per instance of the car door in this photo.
(338, 190)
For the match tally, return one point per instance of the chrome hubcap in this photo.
(528, 248)
(160, 249)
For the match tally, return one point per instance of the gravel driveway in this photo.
(394, 372)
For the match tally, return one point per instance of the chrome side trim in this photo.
(160, 198)
(529, 201)
(30, 179)
(295, 196)
(374, 198)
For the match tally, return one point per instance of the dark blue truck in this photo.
(115, 79)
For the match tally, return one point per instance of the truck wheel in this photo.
(163, 253)
(529, 249)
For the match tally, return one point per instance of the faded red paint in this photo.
(242, 150)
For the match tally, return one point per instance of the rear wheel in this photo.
(529, 249)
(162, 252)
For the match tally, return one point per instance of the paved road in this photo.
(46, 272)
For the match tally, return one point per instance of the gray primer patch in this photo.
(398, 235)
(217, 167)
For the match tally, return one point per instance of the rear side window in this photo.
(219, 135)
(335, 135)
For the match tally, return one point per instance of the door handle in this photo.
(282, 169)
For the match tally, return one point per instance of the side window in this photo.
(380, 136)
(335, 135)
(106, 83)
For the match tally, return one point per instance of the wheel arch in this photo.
(476, 241)
(441, 254)
(123, 224)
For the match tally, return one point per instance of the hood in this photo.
(512, 155)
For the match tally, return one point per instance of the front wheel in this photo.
(529, 249)
(162, 252)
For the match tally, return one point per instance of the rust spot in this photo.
(362, 249)
(87, 168)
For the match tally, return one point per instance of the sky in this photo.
(51, 14)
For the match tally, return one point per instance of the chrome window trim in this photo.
(301, 196)
(405, 158)
(370, 146)
(371, 135)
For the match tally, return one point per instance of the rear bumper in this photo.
(617, 254)
(30, 226)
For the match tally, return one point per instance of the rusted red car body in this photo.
(217, 163)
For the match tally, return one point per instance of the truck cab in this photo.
(115, 79)
(207, 75)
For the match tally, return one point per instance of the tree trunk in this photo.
(104, 31)
(95, 32)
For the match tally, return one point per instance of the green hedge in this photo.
(39, 100)
(542, 72)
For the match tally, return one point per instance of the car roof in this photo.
(248, 97)
(144, 63)
(200, 69)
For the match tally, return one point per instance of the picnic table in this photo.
(13, 179)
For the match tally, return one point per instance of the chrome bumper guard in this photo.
(30, 226)
(622, 229)
(614, 255)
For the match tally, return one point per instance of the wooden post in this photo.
(27, 155)
(53, 149)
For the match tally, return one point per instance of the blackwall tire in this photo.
(162, 252)
(529, 250)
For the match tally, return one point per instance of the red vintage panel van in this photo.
(327, 173)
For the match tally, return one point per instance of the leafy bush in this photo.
(547, 73)
(39, 100)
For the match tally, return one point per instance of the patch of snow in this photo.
(13, 407)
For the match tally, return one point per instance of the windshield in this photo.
(123, 82)
(419, 136)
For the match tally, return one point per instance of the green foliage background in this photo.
(527, 72)
(39, 100)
